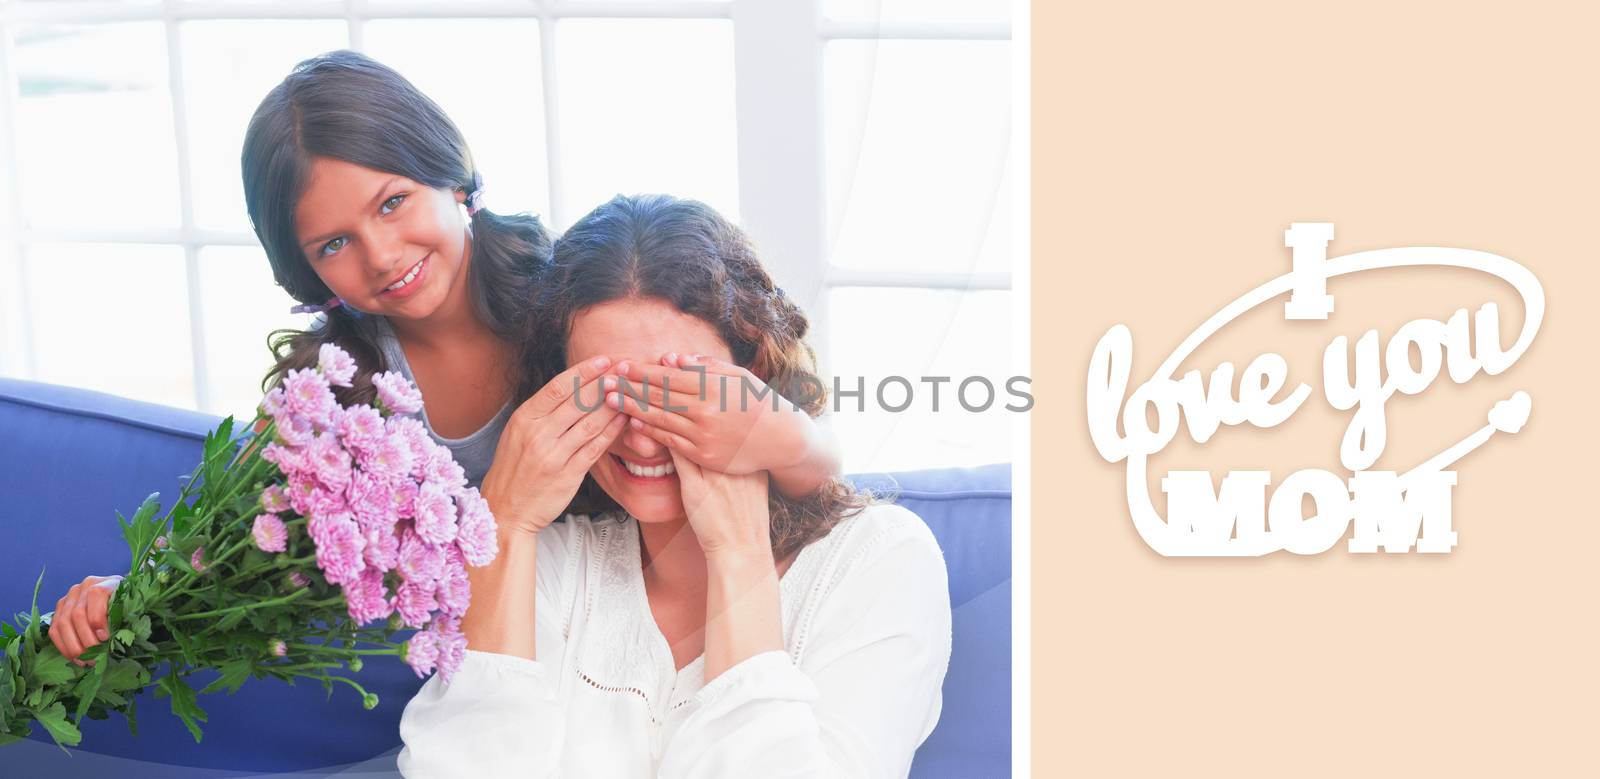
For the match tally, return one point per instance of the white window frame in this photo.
(778, 52)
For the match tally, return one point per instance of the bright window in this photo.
(863, 143)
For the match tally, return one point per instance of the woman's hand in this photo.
(549, 443)
(719, 414)
(80, 617)
(727, 511)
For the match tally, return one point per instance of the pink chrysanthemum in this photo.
(339, 547)
(326, 503)
(454, 591)
(360, 428)
(452, 645)
(197, 560)
(293, 429)
(382, 551)
(396, 393)
(302, 488)
(270, 534)
(422, 652)
(277, 648)
(476, 532)
(420, 561)
(441, 470)
(389, 459)
(416, 436)
(306, 393)
(273, 403)
(415, 602)
(436, 515)
(368, 498)
(366, 598)
(336, 365)
(299, 580)
(274, 500)
(403, 499)
(330, 461)
(288, 460)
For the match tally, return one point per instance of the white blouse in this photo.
(866, 624)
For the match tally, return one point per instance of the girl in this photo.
(687, 621)
(355, 183)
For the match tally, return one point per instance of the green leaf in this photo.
(8, 690)
(179, 562)
(231, 620)
(50, 668)
(54, 719)
(106, 696)
(141, 627)
(185, 546)
(124, 636)
(126, 675)
(183, 703)
(7, 632)
(89, 686)
(133, 716)
(235, 673)
(140, 532)
(30, 633)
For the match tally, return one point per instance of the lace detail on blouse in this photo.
(617, 651)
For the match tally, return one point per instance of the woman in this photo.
(685, 621)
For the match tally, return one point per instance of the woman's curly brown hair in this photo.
(685, 253)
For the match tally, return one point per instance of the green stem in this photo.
(248, 606)
(179, 584)
(336, 651)
(298, 666)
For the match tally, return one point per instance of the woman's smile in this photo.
(648, 473)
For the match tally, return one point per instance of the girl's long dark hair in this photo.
(685, 253)
(344, 105)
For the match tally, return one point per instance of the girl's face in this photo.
(382, 242)
(641, 330)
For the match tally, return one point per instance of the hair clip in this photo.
(312, 308)
(475, 197)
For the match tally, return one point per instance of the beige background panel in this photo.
(1173, 143)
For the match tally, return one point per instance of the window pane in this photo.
(94, 137)
(228, 67)
(917, 147)
(241, 305)
(918, 10)
(484, 73)
(874, 334)
(647, 106)
(113, 318)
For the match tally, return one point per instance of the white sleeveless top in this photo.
(866, 623)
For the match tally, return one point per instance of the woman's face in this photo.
(364, 232)
(641, 330)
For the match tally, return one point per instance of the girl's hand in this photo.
(549, 443)
(727, 511)
(80, 617)
(717, 413)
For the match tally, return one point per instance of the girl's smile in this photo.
(383, 243)
(409, 282)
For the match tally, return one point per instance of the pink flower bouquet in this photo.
(292, 559)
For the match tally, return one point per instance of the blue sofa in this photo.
(69, 458)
